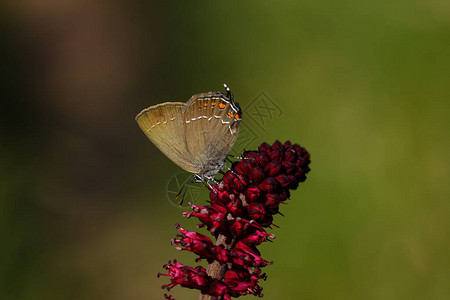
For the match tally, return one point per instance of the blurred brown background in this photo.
(362, 85)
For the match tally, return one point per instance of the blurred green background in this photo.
(363, 85)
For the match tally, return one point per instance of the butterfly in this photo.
(197, 135)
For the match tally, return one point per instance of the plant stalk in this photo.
(215, 269)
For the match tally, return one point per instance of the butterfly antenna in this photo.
(235, 157)
(184, 187)
(229, 95)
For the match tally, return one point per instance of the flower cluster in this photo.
(242, 205)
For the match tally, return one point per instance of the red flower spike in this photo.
(242, 205)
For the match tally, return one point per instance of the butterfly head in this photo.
(236, 107)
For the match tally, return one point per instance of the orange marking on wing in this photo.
(205, 105)
(222, 105)
(213, 103)
(230, 114)
(236, 116)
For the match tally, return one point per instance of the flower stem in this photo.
(215, 269)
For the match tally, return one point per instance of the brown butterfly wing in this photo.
(164, 125)
(212, 126)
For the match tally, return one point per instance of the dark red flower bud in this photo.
(219, 290)
(263, 159)
(251, 155)
(228, 178)
(256, 211)
(264, 147)
(214, 195)
(284, 195)
(224, 196)
(298, 149)
(287, 144)
(284, 180)
(219, 196)
(252, 194)
(272, 200)
(238, 227)
(193, 278)
(220, 254)
(300, 175)
(257, 175)
(235, 207)
(224, 186)
(274, 168)
(277, 154)
(257, 237)
(268, 218)
(290, 167)
(293, 182)
(236, 182)
(277, 145)
(195, 242)
(272, 211)
(270, 185)
(239, 184)
(290, 155)
(302, 163)
(190, 235)
(218, 222)
(244, 167)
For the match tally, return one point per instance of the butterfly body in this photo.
(197, 135)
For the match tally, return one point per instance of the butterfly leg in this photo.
(235, 157)
(233, 172)
(238, 157)
(208, 180)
